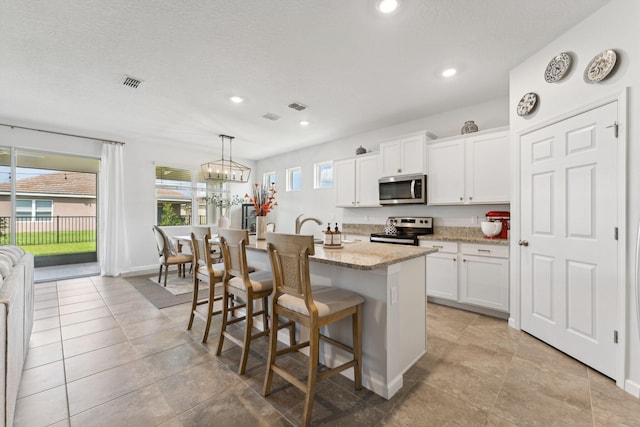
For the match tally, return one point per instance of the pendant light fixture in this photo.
(225, 170)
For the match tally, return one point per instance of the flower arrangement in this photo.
(217, 200)
(263, 199)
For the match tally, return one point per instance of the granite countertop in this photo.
(358, 255)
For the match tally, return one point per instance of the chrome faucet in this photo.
(299, 223)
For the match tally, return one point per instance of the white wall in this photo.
(321, 203)
(615, 26)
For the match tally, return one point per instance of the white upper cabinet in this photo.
(469, 169)
(403, 156)
(356, 181)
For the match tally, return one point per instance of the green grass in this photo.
(49, 245)
(60, 248)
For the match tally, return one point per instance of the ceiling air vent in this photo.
(297, 106)
(271, 116)
(131, 82)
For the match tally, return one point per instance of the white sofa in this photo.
(16, 323)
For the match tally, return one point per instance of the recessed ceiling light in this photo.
(237, 99)
(387, 6)
(304, 123)
(449, 72)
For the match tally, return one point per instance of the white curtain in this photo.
(113, 249)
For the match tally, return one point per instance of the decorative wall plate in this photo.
(527, 104)
(558, 67)
(600, 66)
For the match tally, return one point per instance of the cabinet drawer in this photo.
(449, 247)
(498, 251)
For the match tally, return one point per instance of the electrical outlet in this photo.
(474, 219)
(366, 218)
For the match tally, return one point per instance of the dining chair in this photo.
(168, 255)
(314, 307)
(240, 283)
(207, 272)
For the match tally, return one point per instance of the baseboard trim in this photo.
(632, 387)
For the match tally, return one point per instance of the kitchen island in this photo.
(391, 278)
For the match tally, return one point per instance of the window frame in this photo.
(34, 210)
(317, 173)
(291, 180)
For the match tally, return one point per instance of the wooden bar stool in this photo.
(293, 297)
(212, 274)
(248, 287)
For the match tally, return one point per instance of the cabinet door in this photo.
(391, 157)
(487, 169)
(345, 182)
(413, 155)
(445, 173)
(484, 281)
(367, 175)
(442, 276)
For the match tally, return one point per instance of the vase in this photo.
(469, 127)
(261, 227)
(223, 222)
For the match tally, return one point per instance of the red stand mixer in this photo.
(503, 217)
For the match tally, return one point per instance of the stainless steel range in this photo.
(404, 230)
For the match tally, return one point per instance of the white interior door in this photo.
(569, 210)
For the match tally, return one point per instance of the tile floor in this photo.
(101, 355)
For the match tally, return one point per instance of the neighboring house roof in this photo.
(63, 183)
(167, 193)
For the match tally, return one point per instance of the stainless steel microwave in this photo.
(402, 189)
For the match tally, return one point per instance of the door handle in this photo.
(523, 243)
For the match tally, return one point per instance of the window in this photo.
(294, 179)
(174, 194)
(323, 174)
(37, 210)
(269, 179)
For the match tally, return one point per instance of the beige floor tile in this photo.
(49, 303)
(177, 359)
(474, 386)
(534, 380)
(75, 299)
(612, 405)
(99, 360)
(88, 327)
(83, 316)
(79, 291)
(148, 327)
(239, 406)
(41, 409)
(41, 378)
(549, 358)
(49, 336)
(46, 324)
(96, 389)
(130, 306)
(141, 408)
(427, 406)
(75, 346)
(193, 386)
(81, 306)
(522, 407)
(160, 341)
(44, 354)
(52, 294)
(479, 358)
(45, 313)
(136, 316)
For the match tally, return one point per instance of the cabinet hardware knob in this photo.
(470, 198)
(464, 260)
(438, 246)
(523, 243)
(460, 198)
(484, 250)
(399, 170)
(453, 259)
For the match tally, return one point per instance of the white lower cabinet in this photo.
(466, 273)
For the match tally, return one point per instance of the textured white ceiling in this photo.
(62, 63)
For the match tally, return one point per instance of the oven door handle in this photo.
(413, 188)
